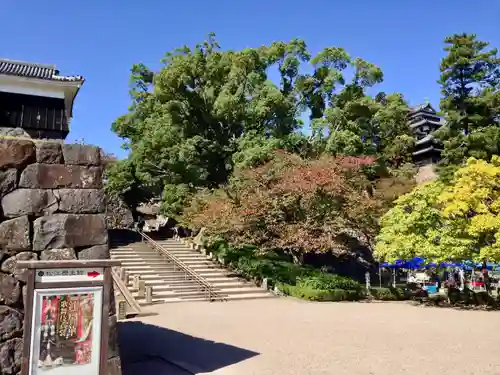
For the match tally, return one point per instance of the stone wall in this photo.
(52, 208)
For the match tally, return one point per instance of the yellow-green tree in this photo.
(458, 221)
(472, 204)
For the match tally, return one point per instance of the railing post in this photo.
(122, 273)
(137, 278)
(142, 289)
(122, 309)
(149, 294)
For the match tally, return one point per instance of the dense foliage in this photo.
(300, 206)
(226, 149)
(208, 110)
(458, 221)
(470, 85)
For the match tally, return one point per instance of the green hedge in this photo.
(389, 294)
(295, 280)
(247, 262)
(326, 281)
(311, 294)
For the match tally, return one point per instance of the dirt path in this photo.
(290, 337)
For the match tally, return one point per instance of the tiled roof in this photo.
(33, 70)
(426, 121)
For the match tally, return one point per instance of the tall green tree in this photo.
(208, 109)
(470, 87)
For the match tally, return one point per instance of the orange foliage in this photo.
(297, 205)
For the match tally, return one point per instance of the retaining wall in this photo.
(52, 208)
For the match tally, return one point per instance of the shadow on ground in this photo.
(148, 349)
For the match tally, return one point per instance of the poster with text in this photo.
(66, 330)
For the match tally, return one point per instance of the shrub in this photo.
(326, 281)
(311, 294)
(389, 294)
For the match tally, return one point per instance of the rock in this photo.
(94, 252)
(14, 132)
(9, 265)
(34, 202)
(58, 254)
(85, 201)
(81, 154)
(11, 356)
(198, 239)
(11, 323)
(10, 290)
(54, 176)
(49, 153)
(15, 234)
(118, 215)
(113, 337)
(61, 231)
(113, 366)
(8, 181)
(16, 153)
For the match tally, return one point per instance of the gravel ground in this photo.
(290, 337)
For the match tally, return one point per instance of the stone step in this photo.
(192, 285)
(170, 284)
(239, 297)
(199, 293)
(161, 281)
(136, 256)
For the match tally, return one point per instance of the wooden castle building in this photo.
(35, 100)
(423, 120)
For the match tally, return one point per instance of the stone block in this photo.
(54, 176)
(11, 356)
(16, 153)
(83, 201)
(11, 323)
(9, 265)
(8, 181)
(61, 231)
(15, 235)
(10, 290)
(94, 252)
(58, 254)
(114, 366)
(81, 154)
(49, 153)
(33, 202)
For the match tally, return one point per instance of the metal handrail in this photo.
(212, 293)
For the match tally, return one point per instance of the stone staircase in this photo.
(169, 283)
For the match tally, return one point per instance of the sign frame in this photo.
(103, 284)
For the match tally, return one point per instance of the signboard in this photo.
(66, 317)
(66, 331)
(69, 275)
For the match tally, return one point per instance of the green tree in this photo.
(458, 221)
(364, 125)
(207, 109)
(470, 87)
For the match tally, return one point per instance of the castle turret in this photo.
(36, 101)
(423, 121)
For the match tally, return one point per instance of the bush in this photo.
(303, 282)
(326, 281)
(389, 294)
(247, 262)
(311, 294)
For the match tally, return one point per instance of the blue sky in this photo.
(101, 39)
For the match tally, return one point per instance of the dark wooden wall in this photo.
(33, 112)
